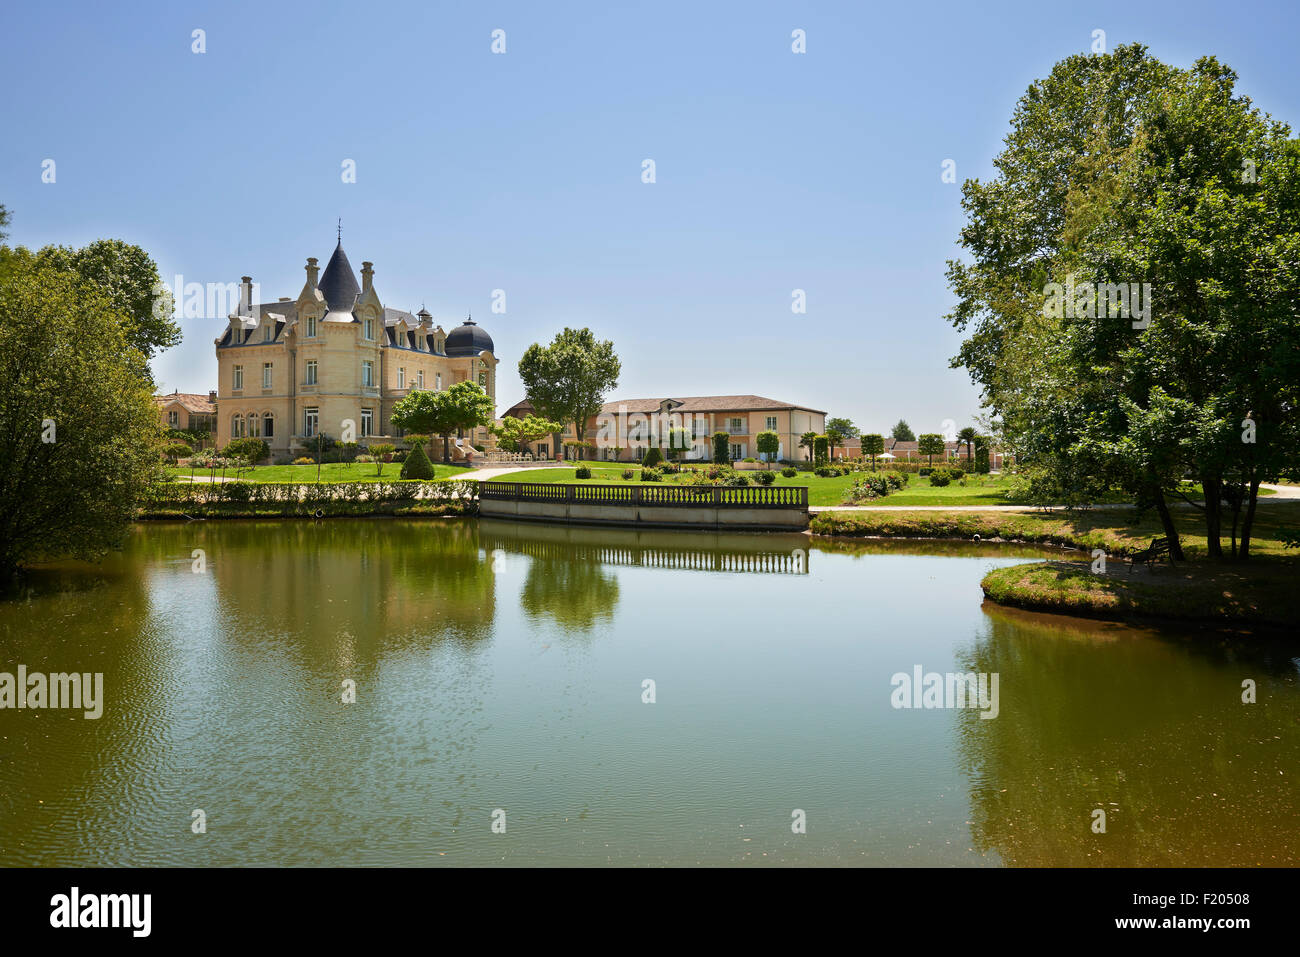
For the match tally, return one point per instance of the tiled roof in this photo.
(190, 402)
(706, 403)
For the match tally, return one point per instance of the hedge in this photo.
(239, 499)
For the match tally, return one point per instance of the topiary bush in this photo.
(789, 472)
(417, 465)
(764, 478)
(627, 475)
(940, 477)
(652, 457)
(582, 472)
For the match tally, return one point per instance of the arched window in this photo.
(236, 426)
(254, 426)
(268, 426)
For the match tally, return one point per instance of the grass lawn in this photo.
(329, 472)
(821, 491)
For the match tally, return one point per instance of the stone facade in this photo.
(335, 360)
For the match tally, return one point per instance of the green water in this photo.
(500, 666)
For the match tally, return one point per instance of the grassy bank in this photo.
(1115, 530)
(1262, 593)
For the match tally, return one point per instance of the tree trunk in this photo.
(1213, 516)
(1167, 523)
(1250, 518)
(446, 448)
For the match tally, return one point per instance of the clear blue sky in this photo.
(522, 171)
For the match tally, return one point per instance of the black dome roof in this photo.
(468, 339)
(338, 284)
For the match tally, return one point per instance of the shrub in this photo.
(177, 450)
(820, 445)
(651, 475)
(304, 460)
(400, 455)
(750, 458)
(382, 451)
(897, 480)
(627, 475)
(669, 468)
(737, 480)
(582, 472)
(940, 477)
(764, 478)
(722, 448)
(789, 472)
(982, 454)
(652, 457)
(364, 459)
(417, 465)
(254, 450)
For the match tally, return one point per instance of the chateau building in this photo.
(335, 361)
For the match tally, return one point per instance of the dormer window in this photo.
(370, 328)
(311, 327)
(268, 333)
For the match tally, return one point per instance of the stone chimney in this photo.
(212, 396)
(367, 276)
(312, 271)
(245, 295)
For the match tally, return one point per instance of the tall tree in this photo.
(967, 437)
(130, 280)
(1124, 175)
(79, 433)
(807, 441)
(902, 432)
(569, 379)
(843, 426)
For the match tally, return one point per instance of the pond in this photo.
(545, 695)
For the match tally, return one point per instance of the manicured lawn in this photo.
(329, 472)
(821, 491)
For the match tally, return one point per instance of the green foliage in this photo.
(679, 441)
(842, 427)
(873, 445)
(764, 478)
(216, 499)
(79, 434)
(651, 475)
(628, 474)
(820, 445)
(251, 450)
(417, 465)
(768, 443)
(582, 472)
(982, 454)
(722, 448)
(930, 444)
(514, 434)
(902, 432)
(177, 450)
(940, 477)
(128, 278)
(568, 380)
(808, 441)
(789, 472)
(380, 451)
(652, 457)
(462, 407)
(1139, 172)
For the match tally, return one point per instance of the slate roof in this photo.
(338, 283)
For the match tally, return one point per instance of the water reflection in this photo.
(1146, 725)
(500, 665)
